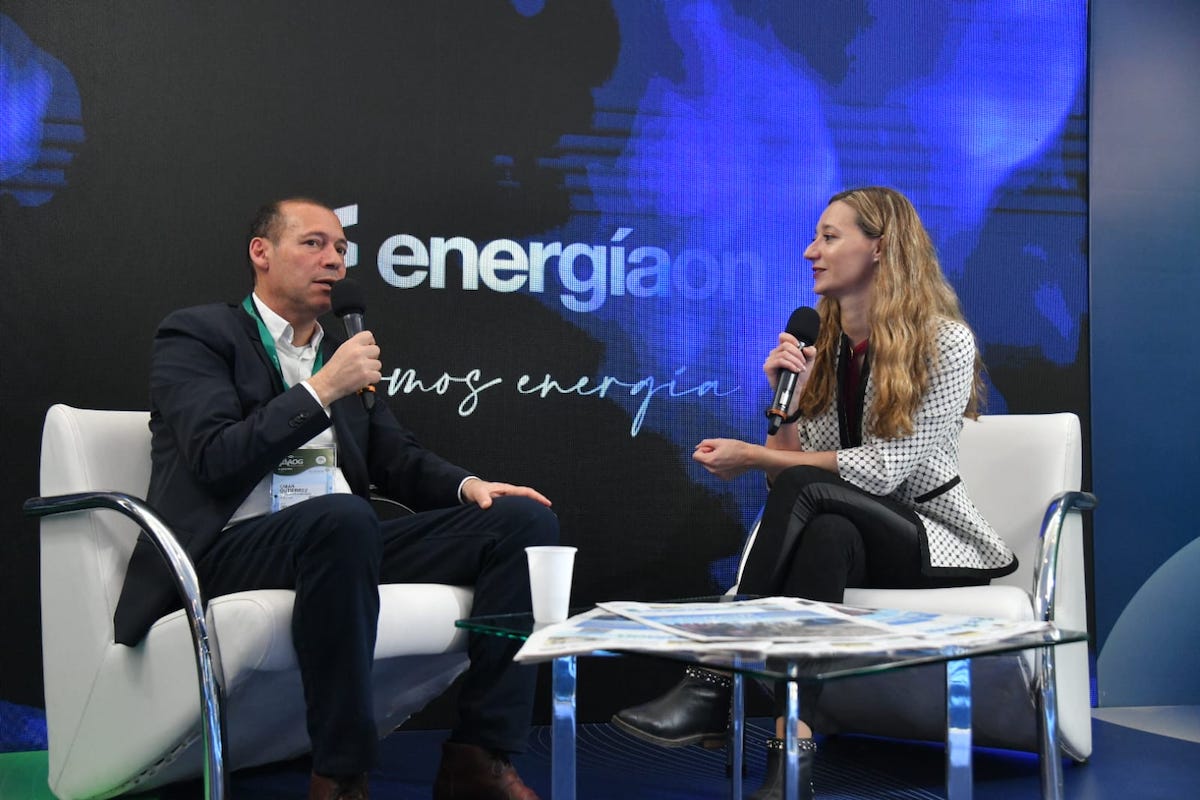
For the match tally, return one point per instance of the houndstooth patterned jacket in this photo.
(921, 470)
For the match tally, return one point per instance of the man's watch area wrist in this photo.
(462, 498)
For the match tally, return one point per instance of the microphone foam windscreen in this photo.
(347, 298)
(804, 324)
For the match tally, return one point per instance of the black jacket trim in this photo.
(945, 487)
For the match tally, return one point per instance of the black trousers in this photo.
(334, 552)
(820, 535)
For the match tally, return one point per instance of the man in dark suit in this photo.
(236, 390)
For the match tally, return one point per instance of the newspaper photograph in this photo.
(761, 628)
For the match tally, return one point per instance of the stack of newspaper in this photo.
(762, 628)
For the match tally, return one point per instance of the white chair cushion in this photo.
(1003, 602)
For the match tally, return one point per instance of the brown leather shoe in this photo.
(351, 788)
(474, 773)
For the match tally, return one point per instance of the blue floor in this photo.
(1126, 764)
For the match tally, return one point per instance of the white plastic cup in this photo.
(550, 568)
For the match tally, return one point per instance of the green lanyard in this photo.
(269, 343)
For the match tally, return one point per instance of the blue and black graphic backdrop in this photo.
(579, 223)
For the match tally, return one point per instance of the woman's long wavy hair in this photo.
(909, 297)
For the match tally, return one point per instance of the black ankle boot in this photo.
(772, 788)
(695, 711)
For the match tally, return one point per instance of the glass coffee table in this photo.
(794, 672)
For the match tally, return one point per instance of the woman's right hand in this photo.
(790, 356)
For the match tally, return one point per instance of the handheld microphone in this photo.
(804, 324)
(349, 306)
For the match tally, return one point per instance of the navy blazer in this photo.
(220, 420)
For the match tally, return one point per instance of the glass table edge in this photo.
(804, 668)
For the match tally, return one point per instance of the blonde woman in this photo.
(864, 472)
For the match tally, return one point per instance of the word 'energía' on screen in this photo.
(607, 386)
(587, 273)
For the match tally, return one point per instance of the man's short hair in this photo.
(268, 224)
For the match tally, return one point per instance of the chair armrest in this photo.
(1046, 570)
(183, 573)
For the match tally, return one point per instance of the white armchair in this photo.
(1023, 472)
(123, 718)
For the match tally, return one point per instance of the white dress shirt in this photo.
(296, 363)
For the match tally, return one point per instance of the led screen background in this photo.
(722, 148)
(579, 224)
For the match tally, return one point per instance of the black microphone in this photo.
(804, 325)
(349, 306)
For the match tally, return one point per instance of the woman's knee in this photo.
(830, 534)
(790, 481)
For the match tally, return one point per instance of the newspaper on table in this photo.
(761, 628)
